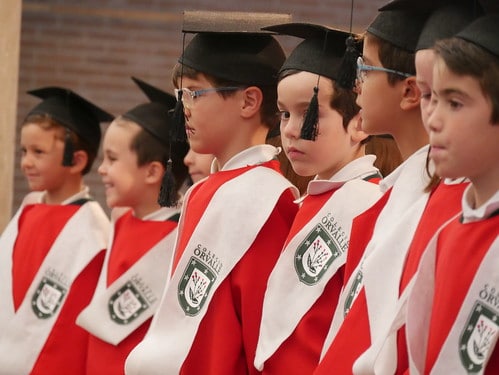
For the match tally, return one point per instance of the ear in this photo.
(80, 160)
(252, 101)
(411, 95)
(154, 172)
(355, 131)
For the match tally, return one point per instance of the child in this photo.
(306, 281)
(452, 309)
(199, 165)
(52, 251)
(136, 149)
(444, 202)
(234, 223)
(389, 99)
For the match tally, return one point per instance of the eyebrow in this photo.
(452, 91)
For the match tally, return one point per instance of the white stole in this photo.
(118, 310)
(324, 237)
(475, 331)
(387, 248)
(24, 332)
(216, 245)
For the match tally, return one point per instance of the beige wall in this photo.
(10, 19)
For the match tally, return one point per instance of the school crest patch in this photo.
(477, 337)
(194, 286)
(314, 255)
(127, 304)
(47, 298)
(353, 293)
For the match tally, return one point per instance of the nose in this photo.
(26, 160)
(291, 128)
(434, 117)
(188, 158)
(102, 169)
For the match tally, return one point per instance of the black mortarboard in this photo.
(446, 17)
(483, 32)
(399, 27)
(321, 52)
(155, 117)
(231, 46)
(73, 112)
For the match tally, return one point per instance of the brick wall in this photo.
(95, 46)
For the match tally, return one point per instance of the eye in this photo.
(454, 104)
(284, 115)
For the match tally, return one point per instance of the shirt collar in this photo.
(389, 180)
(483, 212)
(84, 193)
(251, 156)
(356, 169)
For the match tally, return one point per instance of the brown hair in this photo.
(45, 121)
(268, 110)
(395, 58)
(149, 149)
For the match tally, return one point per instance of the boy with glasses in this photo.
(389, 99)
(233, 223)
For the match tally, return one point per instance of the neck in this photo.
(411, 136)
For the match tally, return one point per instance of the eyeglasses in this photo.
(188, 96)
(362, 70)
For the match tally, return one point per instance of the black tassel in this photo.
(311, 120)
(348, 68)
(168, 193)
(67, 157)
(178, 129)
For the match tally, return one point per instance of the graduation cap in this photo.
(483, 32)
(446, 17)
(155, 118)
(399, 27)
(231, 46)
(321, 52)
(75, 113)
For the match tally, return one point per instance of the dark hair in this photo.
(45, 121)
(149, 149)
(467, 59)
(395, 58)
(268, 110)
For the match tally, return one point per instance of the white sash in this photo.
(390, 241)
(474, 333)
(7, 241)
(23, 336)
(324, 237)
(118, 310)
(214, 248)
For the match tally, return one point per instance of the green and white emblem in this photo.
(353, 292)
(127, 304)
(477, 337)
(314, 255)
(194, 286)
(47, 298)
